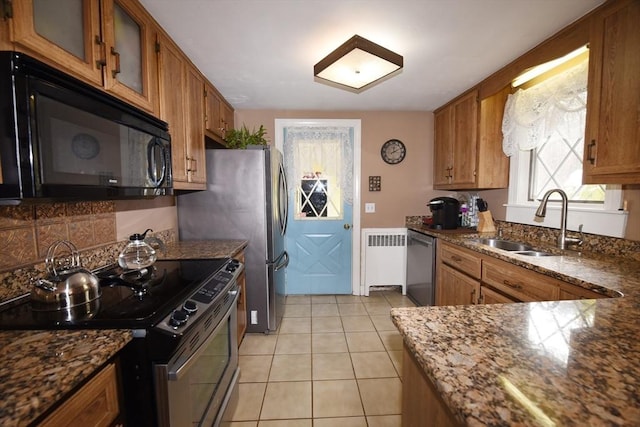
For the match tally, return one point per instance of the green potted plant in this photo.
(242, 138)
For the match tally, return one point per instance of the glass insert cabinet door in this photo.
(109, 43)
(65, 31)
(128, 35)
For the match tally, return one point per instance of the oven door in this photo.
(197, 391)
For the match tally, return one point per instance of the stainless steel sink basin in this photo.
(506, 245)
(534, 253)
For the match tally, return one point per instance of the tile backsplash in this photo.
(27, 231)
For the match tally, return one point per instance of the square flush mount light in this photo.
(357, 64)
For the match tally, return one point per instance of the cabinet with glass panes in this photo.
(108, 43)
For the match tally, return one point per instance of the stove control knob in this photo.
(189, 307)
(178, 318)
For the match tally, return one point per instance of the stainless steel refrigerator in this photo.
(246, 198)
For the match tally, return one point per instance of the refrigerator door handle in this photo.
(284, 193)
(281, 262)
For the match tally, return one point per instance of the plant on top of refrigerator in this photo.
(242, 138)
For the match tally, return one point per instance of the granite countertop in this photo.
(549, 363)
(203, 249)
(37, 368)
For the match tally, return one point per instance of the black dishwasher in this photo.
(421, 261)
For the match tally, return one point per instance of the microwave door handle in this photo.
(152, 164)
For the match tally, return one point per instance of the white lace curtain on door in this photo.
(318, 152)
(532, 115)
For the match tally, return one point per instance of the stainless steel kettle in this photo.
(67, 284)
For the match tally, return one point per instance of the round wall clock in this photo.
(393, 151)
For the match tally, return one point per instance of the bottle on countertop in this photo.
(137, 254)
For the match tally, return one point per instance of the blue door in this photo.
(319, 167)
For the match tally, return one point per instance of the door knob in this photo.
(347, 226)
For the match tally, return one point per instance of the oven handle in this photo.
(176, 375)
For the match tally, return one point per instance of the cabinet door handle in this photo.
(590, 157)
(116, 71)
(195, 163)
(102, 61)
(456, 258)
(512, 285)
(473, 295)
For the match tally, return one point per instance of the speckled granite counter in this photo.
(37, 368)
(203, 249)
(569, 363)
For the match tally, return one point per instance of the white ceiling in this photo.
(260, 53)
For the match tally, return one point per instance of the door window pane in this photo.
(62, 23)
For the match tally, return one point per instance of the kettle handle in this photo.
(50, 259)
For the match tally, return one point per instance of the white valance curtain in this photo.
(311, 149)
(532, 115)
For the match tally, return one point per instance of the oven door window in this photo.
(205, 376)
(196, 389)
(80, 148)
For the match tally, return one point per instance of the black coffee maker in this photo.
(446, 212)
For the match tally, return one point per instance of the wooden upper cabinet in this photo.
(194, 122)
(442, 162)
(218, 115)
(468, 144)
(129, 41)
(171, 84)
(108, 43)
(213, 113)
(612, 139)
(227, 118)
(69, 36)
(182, 107)
(465, 137)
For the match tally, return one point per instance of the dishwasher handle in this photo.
(421, 238)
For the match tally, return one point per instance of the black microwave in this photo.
(62, 139)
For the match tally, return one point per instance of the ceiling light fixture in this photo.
(357, 64)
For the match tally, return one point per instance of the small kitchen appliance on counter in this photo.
(446, 211)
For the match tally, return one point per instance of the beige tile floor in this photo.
(334, 361)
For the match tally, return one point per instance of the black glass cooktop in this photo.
(134, 299)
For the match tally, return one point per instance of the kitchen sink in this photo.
(534, 253)
(506, 245)
(515, 247)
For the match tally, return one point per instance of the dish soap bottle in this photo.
(137, 254)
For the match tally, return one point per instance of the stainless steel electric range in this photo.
(181, 368)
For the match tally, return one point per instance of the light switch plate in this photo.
(369, 207)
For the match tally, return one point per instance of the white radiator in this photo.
(384, 258)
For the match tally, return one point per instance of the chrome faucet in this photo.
(563, 240)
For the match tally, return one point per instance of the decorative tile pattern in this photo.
(78, 208)
(49, 233)
(50, 211)
(81, 233)
(16, 216)
(18, 247)
(104, 229)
